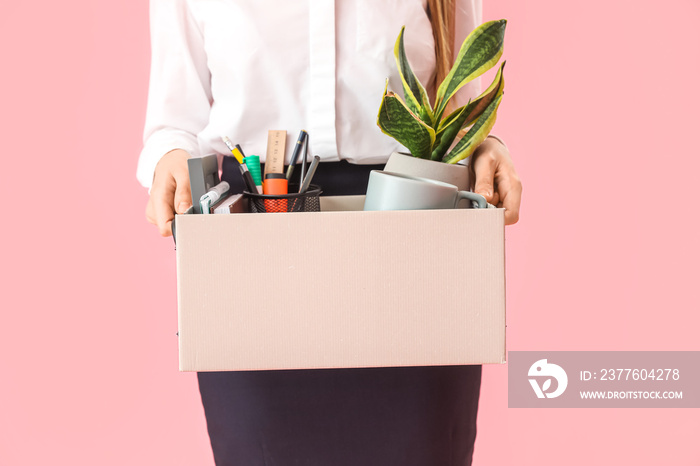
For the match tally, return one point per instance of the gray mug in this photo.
(394, 191)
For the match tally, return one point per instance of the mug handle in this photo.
(478, 201)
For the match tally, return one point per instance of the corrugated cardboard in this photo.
(341, 288)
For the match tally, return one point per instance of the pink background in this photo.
(600, 117)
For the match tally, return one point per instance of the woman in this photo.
(240, 68)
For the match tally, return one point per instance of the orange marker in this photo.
(275, 184)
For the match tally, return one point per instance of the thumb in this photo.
(183, 197)
(485, 172)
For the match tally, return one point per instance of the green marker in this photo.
(253, 164)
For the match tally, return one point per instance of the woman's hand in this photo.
(495, 178)
(170, 192)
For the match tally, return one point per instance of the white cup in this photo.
(394, 191)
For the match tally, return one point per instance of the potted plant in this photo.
(430, 131)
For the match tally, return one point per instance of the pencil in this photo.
(235, 150)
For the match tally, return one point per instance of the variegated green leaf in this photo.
(465, 116)
(480, 51)
(478, 105)
(476, 134)
(414, 92)
(445, 136)
(448, 121)
(397, 120)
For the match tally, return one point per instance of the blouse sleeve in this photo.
(179, 94)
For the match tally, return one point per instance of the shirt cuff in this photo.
(159, 144)
(498, 139)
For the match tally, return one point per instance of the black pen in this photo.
(295, 154)
(303, 160)
(248, 179)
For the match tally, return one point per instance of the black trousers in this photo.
(403, 416)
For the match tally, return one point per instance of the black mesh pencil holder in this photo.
(294, 202)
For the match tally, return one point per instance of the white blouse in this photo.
(239, 68)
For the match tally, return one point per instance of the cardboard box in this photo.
(340, 288)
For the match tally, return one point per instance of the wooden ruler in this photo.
(276, 144)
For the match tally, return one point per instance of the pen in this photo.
(235, 150)
(240, 151)
(248, 180)
(295, 155)
(303, 160)
(312, 169)
(253, 164)
(210, 198)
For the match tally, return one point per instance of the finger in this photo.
(496, 198)
(485, 171)
(158, 209)
(161, 206)
(150, 212)
(164, 215)
(510, 190)
(183, 195)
